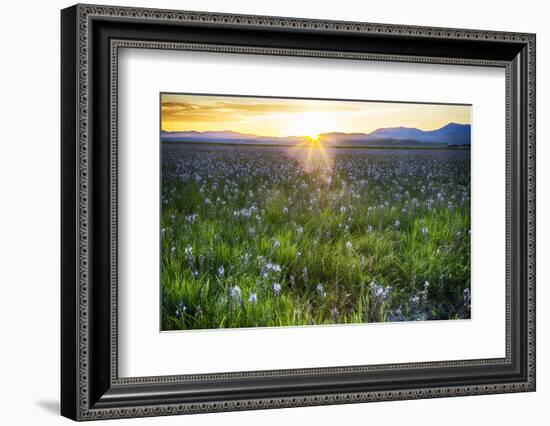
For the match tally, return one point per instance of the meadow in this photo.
(285, 236)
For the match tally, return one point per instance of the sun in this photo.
(314, 140)
(309, 125)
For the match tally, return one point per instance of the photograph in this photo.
(265, 209)
(302, 212)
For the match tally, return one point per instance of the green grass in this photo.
(238, 222)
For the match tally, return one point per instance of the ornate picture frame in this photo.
(91, 37)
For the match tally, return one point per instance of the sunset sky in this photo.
(299, 117)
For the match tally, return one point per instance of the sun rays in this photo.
(314, 140)
(312, 154)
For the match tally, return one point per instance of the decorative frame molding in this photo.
(91, 388)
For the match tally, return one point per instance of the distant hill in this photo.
(228, 136)
(450, 134)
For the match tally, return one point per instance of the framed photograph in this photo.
(263, 212)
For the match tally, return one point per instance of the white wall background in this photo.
(29, 211)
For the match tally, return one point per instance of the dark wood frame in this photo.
(91, 37)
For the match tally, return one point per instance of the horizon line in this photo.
(323, 133)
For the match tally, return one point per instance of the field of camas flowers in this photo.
(277, 236)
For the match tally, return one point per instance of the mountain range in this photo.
(452, 134)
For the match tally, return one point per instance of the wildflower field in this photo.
(260, 236)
